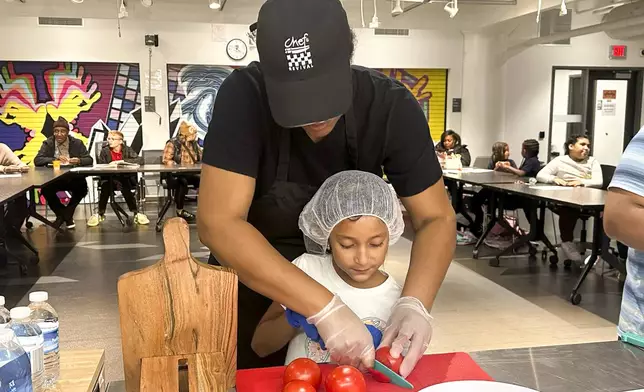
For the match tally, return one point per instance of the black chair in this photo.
(482, 162)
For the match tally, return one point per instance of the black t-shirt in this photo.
(392, 134)
(531, 166)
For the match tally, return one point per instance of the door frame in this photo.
(585, 74)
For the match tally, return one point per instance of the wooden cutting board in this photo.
(176, 307)
(431, 370)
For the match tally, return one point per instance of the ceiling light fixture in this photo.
(564, 10)
(77, 1)
(375, 23)
(397, 10)
(214, 4)
(452, 8)
(147, 3)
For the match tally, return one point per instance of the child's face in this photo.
(506, 153)
(359, 248)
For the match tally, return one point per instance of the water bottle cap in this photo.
(2, 300)
(6, 335)
(20, 313)
(38, 296)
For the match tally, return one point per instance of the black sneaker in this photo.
(190, 218)
(70, 223)
(58, 223)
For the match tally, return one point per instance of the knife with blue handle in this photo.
(394, 377)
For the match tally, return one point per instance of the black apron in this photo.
(275, 214)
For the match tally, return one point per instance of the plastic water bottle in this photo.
(5, 317)
(30, 338)
(15, 369)
(43, 314)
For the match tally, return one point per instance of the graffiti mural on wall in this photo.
(92, 97)
(429, 86)
(192, 90)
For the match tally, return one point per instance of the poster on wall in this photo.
(609, 107)
(429, 87)
(93, 97)
(192, 90)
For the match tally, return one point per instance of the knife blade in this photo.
(395, 378)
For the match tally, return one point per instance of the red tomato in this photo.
(303, 369)
(298, 386)
(345, 379)
(376, 375)
(382, 356)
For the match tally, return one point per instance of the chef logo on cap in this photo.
(298, 53)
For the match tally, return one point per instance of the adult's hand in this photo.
(63, 160)
(12, 169)
(559, 181)
(574, 183)
(74, 161)
(409, 327)
(345, 336)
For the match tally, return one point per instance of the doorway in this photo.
(605, 104)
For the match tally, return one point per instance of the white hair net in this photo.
(345, 195)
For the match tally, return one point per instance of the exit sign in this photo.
(617, 52)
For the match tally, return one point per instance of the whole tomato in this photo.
(303, 369)
(383, 356)
(298, 386)
(345, 379)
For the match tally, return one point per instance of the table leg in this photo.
(34, 214)
(598, 232)
(122, 216)
(490, 226)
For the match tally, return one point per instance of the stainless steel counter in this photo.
(606, 367)
(590, 367)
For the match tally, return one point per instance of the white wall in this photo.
(560, 109)
(528, 77)
(194, 43)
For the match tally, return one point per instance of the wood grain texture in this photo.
(79, 370)
(178, 306)
(206, 373)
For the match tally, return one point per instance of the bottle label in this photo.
(15, 375)
(50, 334)
(34, 348)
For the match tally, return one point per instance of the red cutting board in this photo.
(431, 370)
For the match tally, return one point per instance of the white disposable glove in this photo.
(409, 327)
(345, 336)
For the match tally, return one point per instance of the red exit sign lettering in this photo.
(617, 52)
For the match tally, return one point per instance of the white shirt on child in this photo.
(372, 306)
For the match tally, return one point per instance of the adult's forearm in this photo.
(431, 255)
(623, 221)
(238, 245)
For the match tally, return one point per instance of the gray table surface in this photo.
(480, 178)
(590, 367)
(156, 168)
(577, 197)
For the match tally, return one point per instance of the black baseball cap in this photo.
(305, 49)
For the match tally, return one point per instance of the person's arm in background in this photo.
(84, 158)
(624, 211)
(130, 156)
(168, 154)
(466, 158)
(597, 177)
(45, 155)
(9, 162)
(549, 173)
(273, 332)
(413, 169)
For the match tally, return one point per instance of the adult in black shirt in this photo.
(282, 126)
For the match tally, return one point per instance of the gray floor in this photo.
(80, 270)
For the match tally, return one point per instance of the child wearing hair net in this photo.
(348, 227)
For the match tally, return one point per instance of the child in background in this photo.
(530, 165)
(501, 157)
(348, 226)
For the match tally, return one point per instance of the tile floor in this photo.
(478, 308)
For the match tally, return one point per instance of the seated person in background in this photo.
(530, 165)
(117, 151)
(348, 227)
(499, 161)
(576, 168)
(16, 211)
(623, 221)
(450, 144)
(183, 150)
(69, 151)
